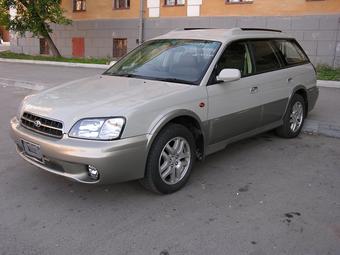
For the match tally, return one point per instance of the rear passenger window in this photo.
(264, 56)
(291, 52)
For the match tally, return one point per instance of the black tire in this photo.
(152, 179)
(285, 130)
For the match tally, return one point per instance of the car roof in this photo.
(223, 35)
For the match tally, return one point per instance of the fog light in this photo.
(93, 172)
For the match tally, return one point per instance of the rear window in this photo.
(264, 56)
(291, 52)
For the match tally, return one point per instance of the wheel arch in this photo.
(302, 91)
(186, 118)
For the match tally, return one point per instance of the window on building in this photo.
(121, 4)
(174, 2)
(44, 48)
(264, 56)
(79, 5)
(291, 52)
(238, 1)
(119, 47)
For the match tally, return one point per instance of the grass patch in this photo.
(12, 55)
(328, 73)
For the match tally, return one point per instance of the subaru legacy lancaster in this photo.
(171, 101)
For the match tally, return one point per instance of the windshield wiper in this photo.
(122, 74)
(175, 80)
(130, 75)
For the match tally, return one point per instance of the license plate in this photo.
(32, 150)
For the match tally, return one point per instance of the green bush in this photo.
(328, 73)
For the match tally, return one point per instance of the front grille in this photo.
(42, 125)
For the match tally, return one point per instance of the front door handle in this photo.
(254, 90)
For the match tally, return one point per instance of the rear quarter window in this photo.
(291, 52)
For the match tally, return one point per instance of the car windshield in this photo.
(175, 60)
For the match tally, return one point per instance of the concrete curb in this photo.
(329, 84)
(54, 63)
(316, 127)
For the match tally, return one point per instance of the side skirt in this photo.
(221, 145)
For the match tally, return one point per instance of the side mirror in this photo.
(229, 75)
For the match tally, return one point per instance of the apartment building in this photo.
(110, 28)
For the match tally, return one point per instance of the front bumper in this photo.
(117, 161)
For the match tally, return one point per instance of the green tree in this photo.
(34, 16)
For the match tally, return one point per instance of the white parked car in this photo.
(175, 99)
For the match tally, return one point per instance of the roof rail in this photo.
(193, 28)
(260, 29)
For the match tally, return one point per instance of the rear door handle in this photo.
(254, 90)
(289, 79)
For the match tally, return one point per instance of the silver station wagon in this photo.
(173, 100)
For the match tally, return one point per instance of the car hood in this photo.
(98, 96)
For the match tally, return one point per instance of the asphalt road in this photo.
(261, 196)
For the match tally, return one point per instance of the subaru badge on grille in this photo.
(37, 123)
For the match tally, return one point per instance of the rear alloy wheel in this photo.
(170, 160)
(293, 119)
(296, 117)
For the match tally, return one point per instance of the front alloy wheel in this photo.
(174, 160)
(170, 160)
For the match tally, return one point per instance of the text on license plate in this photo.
(32, 150)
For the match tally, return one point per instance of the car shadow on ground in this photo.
(215, 166)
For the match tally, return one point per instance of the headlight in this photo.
(98, 129)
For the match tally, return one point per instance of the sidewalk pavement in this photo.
(324, 119)
(329, 84)
(55, 63)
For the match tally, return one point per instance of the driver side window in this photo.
(236, 56)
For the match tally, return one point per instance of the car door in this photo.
(234, 107)
(295, 72)
(271, 79)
